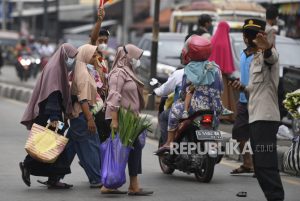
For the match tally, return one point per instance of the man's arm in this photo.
(169, 87)
(97, 27)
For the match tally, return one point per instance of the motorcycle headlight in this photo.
(23, 62)
(165, 69)
(37, 61)
(28, 62)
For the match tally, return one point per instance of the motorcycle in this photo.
(199, 129)
(24, 66)
(36, 65)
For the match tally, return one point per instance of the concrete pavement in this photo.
(179, 186)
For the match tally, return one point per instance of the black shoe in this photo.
(25, 174)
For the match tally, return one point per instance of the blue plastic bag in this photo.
(114, 157)
(142, 138)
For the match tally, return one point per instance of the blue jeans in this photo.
(87, 148)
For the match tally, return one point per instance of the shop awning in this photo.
(290, 9)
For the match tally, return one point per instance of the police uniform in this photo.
(264, 116)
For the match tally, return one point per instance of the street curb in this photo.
(14, 92)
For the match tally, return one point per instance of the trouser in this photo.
(265, 161)
(87, 148)
(135, 159)
(163, 123)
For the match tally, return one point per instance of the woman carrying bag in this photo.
(50, 100)
(125, 90)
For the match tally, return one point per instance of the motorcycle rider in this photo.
(206, 78)
(22, 49)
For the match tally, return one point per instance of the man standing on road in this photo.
(240, 130)
(264, 116)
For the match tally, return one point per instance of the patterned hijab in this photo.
(53, 78)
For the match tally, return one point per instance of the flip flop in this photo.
(140, 193)
(113, 192)
(161, 151)
(64, 186)
(242, 169)
(25, 174)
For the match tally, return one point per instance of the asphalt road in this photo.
(178, 187)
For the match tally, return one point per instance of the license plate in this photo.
(208, 135)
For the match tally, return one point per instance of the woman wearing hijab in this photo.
(82, 134)
(222, 55)
(50, 100)
(126, 90)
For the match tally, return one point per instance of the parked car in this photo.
(169, 50)
(289, 60)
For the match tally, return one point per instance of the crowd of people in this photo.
(76, 87)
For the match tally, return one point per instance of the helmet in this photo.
(196, 48)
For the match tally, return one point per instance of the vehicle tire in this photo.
(164, 168)
(206, 172)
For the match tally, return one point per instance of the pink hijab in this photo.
(221, 49)
(53, 78)
(123, 56)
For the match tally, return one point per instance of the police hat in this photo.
(255, 25)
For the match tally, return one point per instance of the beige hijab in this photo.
(83, 82)
(123, 57)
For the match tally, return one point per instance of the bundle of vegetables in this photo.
(131, 126)
(292, 103)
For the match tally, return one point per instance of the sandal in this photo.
(59, 185)
(113, 192)
(242, 169)
(25, 174)
(46, 183)
(140, 193)
(161, 150)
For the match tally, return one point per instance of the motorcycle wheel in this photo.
(206, 172)
(164, 168)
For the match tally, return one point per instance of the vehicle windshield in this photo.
(288, 52)
(170, 49)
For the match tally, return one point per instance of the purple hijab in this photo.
(53, 78)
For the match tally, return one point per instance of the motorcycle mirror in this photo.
(153, 82)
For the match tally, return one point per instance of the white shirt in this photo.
(168, 87)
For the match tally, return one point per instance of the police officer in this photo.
(264, 116)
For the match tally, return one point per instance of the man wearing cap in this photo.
(264, 117)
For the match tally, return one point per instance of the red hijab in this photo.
(221, 49)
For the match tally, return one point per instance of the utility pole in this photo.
(4, 14)
(127, 19)
(45, 19)
(57, 22)
(155, 34)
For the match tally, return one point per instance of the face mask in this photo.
(102, 47)
(70, 63)
(135, 63)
